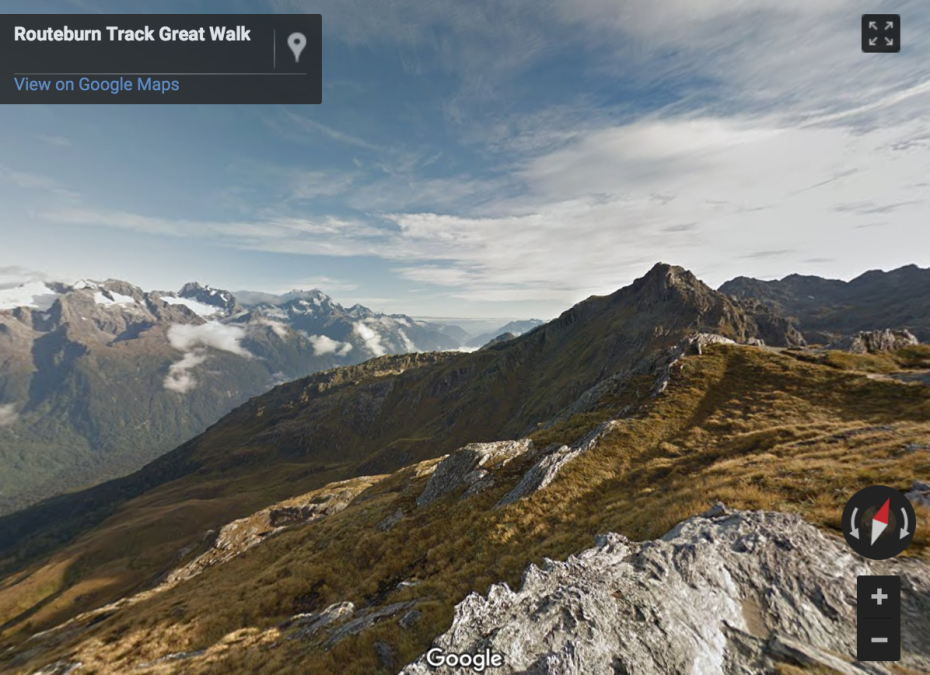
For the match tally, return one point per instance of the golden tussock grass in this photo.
(750, 428)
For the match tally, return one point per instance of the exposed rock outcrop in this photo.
(878, 341)
(465, 468)
(725, 592)
(692, 345)
(241, 535)
(554, 460)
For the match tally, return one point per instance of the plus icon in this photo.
(878, 596)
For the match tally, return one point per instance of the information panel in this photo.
(162, 58)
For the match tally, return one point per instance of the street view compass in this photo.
(878, 522)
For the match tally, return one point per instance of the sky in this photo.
(496, 159)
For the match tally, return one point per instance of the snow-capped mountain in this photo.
(98, 378)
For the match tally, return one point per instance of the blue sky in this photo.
(496, 159)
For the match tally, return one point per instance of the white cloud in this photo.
(322, 283)
(56, 141)
(784, 149)
(8, 414)
(185, 337)
(408, 343)
(323, 345)
(371, 339)
(279, 328)
(194, 341)
(179, 377)
(32, 181)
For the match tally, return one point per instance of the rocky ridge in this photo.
(878, 341)
(829, 310)
(725, 592)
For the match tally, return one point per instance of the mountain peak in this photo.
(664, 282)
(208, 295)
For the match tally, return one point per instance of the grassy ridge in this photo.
(749, 427)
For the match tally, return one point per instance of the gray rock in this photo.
(240, 535)
(877, 341)
(60, 668)
(916, 447)
(692, 345)
(385, 655)
(463, 468)
(314, 622)
(727, 592)
(919, 494)
(554, 460)
(410, 619)
(388, 523)
(366, 621)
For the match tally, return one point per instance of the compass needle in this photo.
(878, 522)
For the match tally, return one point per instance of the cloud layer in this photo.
(195, 341)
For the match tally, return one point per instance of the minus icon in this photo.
(880, 640)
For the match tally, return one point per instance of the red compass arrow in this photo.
(880, 521)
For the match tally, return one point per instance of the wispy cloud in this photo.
(16, 275)
(301, 128)
(8, 414)
(32, 181)
(55, 141)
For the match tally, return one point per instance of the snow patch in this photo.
(34, 295)
(8, 414)
(110, 298)
(371, 339)
(198, 308)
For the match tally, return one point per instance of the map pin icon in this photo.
(297, 42)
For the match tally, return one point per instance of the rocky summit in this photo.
(724, 592)
(374, 517)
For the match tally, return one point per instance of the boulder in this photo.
(464, 468)
(878, 341)
(726, 592)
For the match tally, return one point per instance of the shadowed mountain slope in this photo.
(828, 309)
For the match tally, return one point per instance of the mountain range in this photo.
(349, 520)
(97, 379)
(826, 310)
